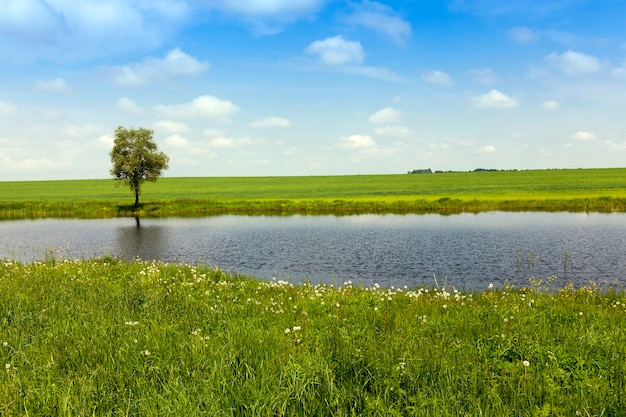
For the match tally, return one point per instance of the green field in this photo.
(104, 337)
(567, 190)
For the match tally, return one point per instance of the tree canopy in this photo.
(136, 158)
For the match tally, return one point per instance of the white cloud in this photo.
(177, 141)
(573, 63)
(30, 20)
(357, 142)
(265, 8)
(380, 18)
(8, 111)
(394, 131)
(80, 30)
(488, 149)
(271, 122)
(83, 131)
(438, 77)
(129, 107)
(56, 86)
(223, 142)
(550, 105)
(175, 63)
(485, 76)
(494, 99)
(266, 16)
(347, 56)
(583, 136)
(203, 106)
(522, 34)
(386, 115)
(171, 126)
(106, 140)
(212, 132)
(337, 51)
(379, 73)
(229, 143)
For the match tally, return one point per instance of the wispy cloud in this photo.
(129, 107)
(380, 18)
(203, 106)
(550, 105)
(272, 121)
(55, 86)
(266, 17)
(575, 63)
(175, 63)
(357, 142)
(584, 136)
(337, 51)
(438, 77)
(347, 56)
(485, 76)
(386, 116)
(8, 111)
(522, 34)
(494, 99)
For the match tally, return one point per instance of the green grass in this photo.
(570, 190)
(104, 337)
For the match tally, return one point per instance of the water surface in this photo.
(466, 250)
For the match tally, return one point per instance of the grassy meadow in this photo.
(104, 337)
(600, 190)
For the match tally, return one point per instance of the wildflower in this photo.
(7, 367)
(296, 328)
(526, 363)
(490, 286)
(146, 352)
(581, 313)
(287, 330)
(5, 344)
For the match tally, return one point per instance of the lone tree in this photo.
(136, 159)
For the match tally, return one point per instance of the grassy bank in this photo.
(103, 337)
(600, 190)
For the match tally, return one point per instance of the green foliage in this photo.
(105, 337)
(136, 159)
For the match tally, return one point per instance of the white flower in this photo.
(287, 330)
(526, 363)
(146, 352)
(5, 344)
(296, 328)
(7, 366)
(490, 286)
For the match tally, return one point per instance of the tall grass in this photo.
(564, 190)
(104, 337)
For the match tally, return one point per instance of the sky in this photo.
(312, 87)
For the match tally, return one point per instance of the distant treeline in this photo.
(430, 171)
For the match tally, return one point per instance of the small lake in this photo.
(469, 251)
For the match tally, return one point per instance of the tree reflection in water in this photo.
(144, 242)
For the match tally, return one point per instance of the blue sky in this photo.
(312, 87)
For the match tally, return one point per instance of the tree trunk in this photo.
(136, 199)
